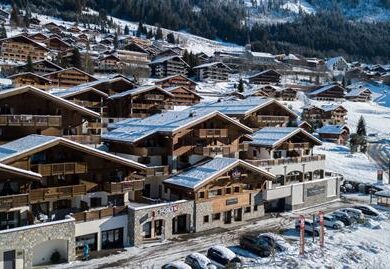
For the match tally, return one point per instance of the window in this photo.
(205, 219)
(255, 208)
(247, 209)
(96, 201)
(254, 153)
(201, 194)
(236, 189)
(213, 193)
(307, 152)
(112, 238)
(217, 216)
(228, 190)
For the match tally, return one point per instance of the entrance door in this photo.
(238, 214)
(179, 224)
(158, 227)
(9, 259)
(228, 217)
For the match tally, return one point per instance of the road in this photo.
(380, 154)
(154, 256)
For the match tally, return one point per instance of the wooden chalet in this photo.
(69, 77)
(338, 134)
(139, 102)
(332, 92)
(45, 114)
(133, 58)
(112, 85)
(225, 191)
(286, 94)
(182, 96)
(305, 126)
(41, 67)
(38, 37)
(177, 139)
(216, 71)
(359, 94)
(30, 79)
(57, 44)
(46, 178)
(19, 48)
(176, 80)
(168, 66)
(108, 64)
(265, 77)
(325, 114)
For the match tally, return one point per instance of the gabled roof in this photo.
(324, 89)
(46, 95)
(29, 74)
(133, 130)
(173, 76)
(7, 169)
(357, 91)
(197, 176)
(332, 107)
(211, 64)
(46, 62)
(160, 60)
(66, 93)
(22, 38)
(264, 72)
(241, 107)
(273, 136)
(171, 89)
(34, 143)
(333, 129)
(139, 90)
(70, 68)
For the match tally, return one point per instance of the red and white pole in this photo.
(302, 235)
(322, 231)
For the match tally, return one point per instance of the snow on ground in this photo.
(297, 7)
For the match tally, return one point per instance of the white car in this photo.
(332, 222)
(176, 265)
(199, 261)
(353, 213)
(370, 212)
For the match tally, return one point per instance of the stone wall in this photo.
(26, 240)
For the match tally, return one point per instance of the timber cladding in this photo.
(230, 202)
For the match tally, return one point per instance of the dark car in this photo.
(264, 244)
(368, 210)
(343, 218)
(222, 255)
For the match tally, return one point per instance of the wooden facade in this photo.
(212, 72)
(331, 92)
(265, 77)
(69, 77)
(19, 48)
(183, 96)
(168, 66)
(325, 115)
(30, 79)
(176, 80)
(41, 68)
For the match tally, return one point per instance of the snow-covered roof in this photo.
(332, 61)
(198, 175)
(173, 76)
(323, 89)
(210, 64)
(66, 93)
(331, 107)
(332, 129)
(160, 60)
(357, 91)
(272, 136)
(139, 90)
(240, 107)
(262, 54)
(170, 89)
(132, 130)
(263, 72)
(291, 57)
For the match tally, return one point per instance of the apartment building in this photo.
(325, 114)
(41, 67)
(332, 92)
(216, 71)
(176, 80)
(69, 77)
(19, 48)
(31, 79)
(182, 96)
(265, 77)
(167, 66)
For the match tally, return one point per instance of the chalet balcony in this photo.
(287, 161)
(212, 151)
(273, 119)
(124, 186)
(292, 146)
(94, 125)
(85, 103)
(100, 214)
(154, 97)
(142, 106)
(54, 169)
(84, 139)
(157, 171)
(11, 201)
(31, 120)
(55, 193)
(148, 151)
(212, 133)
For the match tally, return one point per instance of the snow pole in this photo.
(322, 231)
(302, 235)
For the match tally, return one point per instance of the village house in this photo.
(215, 71)
(133, 58)
(338, 134)
(58, 194)
(69, 77)
(265, 77)
(325, 114)
(337, 64)
(108, 64)
(176, 80)
(57, 44)
(45, 114)
(254, 112)
(331, 92)
(19, 48)
(167, 66)
(139, 102)
(300, 176)
(30, 79)
(41, 67)
(182, 96)
(358, 93)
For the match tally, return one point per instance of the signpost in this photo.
(302, 235)
(321, 214)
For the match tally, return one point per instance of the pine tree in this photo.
(159, 34)
(14, 19)
(171, 38)
(140, 29)
(127, 30)
(3, 32)
(76, 58)
(29, 65)
(361, 128)
(116, 41)
(240, 86)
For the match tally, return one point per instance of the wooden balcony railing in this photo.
(156, 97)
(54, 193)
(148, 151)
(31, 120)
(100, 214)
(292, 146)
(142, 106)
(94, 125)
(157, 171)
(11, 201)
(285, 161)
(212, 133)
(124, 186)
(84, 139)
(53, 169)
(265, 118)
(212, 151)
(85, 103)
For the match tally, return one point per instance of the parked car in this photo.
(222, 255)
(343, 217)
(199, 261)
(332, 222)
(353, 213)
(176, 265)
(264, 244)
(309, 227)
(370, 211)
